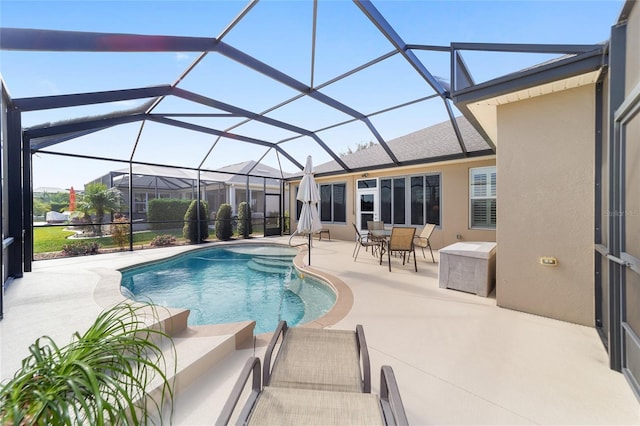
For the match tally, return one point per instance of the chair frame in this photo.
(361, 347)
(391, 406)
(423, 241)
(363, 242)
(394, 246)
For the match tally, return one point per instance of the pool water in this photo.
(232, 283)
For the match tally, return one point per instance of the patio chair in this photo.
(422, 240)
(363, 242)
(401, 242)
(311, 358)
(269, 405)
(375, 225)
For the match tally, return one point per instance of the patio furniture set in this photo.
(399, 240)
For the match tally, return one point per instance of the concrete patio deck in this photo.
(457, 357)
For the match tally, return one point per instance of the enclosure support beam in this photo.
(14, 190)
(27, 206)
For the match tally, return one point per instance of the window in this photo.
(425, 200)
(482, 194)
(413, 200)
(333, 202)
(298, 204)
(367, 183)
(140, 202)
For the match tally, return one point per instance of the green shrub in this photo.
(190, 229)
(40, 208)
(120, 231)
(287, 222)
(81, 248)
(224, 227)
(167, 210)
(163, 240)
(59, 207)
(245, 227)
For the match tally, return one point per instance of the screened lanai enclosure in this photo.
(227, 112)
(222, 102)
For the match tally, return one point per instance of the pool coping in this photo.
(107, 291)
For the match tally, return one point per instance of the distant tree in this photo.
(99, 199)
(359, 147)
(40, 207)
(54, 201)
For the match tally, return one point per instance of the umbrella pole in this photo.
(309, 248)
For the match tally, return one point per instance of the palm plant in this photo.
(101, 377)
(99, 199)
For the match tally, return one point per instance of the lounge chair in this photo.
(363, 242)
(422, 240)
(270, 405)
(401, 242)
(320, 359)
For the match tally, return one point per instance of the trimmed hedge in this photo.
(245, 227)
(190, 230)
(224, 226)
(167, 210)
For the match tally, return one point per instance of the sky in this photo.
(278, 33)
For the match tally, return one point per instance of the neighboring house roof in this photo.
(434, 143)
(161, 177)
(48, 190)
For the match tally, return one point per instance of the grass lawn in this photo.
(49, 238)
(52, 238)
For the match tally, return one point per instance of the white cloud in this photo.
(49, 87)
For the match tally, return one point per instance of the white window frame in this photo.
(333, 206)
(488, 193)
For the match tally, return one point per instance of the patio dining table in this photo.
(381, 236)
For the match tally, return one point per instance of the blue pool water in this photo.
(232, 283)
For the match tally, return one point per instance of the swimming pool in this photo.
(232, 283)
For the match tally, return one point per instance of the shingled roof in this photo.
(431, 144)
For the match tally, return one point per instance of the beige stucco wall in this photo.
(545, 171)
(632, 78)
(454, 194)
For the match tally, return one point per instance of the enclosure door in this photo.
(272, 215)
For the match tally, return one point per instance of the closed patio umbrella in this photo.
(309, 220)
(72, 199)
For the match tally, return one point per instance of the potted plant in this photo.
(102, 377)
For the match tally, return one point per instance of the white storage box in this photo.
(469, 267)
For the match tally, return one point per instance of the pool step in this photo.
(271, 268)
(198, 349)
(202, 402)
(270, 261)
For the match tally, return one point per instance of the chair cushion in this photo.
(318, 359)
(283, 406)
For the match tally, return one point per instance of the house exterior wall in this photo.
(545, 169)
(454, 184)
(632, 77)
